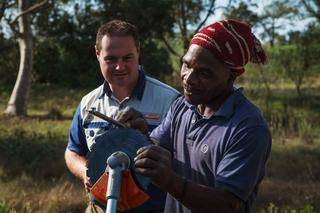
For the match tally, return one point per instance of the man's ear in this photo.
(233, 76)
(97, 51)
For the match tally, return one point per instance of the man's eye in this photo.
(127, 58)
(185, 68)
(205, 73)
(109, 59)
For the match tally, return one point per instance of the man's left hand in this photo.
(155, 162)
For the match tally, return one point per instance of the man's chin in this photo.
(191, 100)
(121, 82)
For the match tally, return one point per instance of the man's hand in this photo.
(134, 119)
(155, 162)
(87, 184)
(77, 164)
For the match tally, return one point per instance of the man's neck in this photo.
(212, 107)
(121, 93)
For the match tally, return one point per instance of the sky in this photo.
(298, 25)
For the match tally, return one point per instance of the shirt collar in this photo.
(227, 108)
(138, 89)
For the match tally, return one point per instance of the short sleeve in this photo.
(243, 164)
(77, 140)
(162, 132)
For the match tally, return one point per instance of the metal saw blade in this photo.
(126, 140)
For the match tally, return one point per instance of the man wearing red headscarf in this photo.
(213, 143)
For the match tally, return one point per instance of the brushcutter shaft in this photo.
(106, 118)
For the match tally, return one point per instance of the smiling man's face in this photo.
(119, 61)
(205, 79)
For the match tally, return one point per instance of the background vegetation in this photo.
(33, 176)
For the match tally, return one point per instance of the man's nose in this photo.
(120, 65)
(190, 76)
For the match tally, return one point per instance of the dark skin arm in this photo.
(155, 162)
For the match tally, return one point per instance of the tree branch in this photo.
(3, 7)
(13, 28)
(169, 46)
(310, 10)
(209, 12)
(223, 7)
(30, 9)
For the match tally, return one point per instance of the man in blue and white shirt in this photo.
(117, 50)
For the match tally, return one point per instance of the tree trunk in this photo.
(18, 98)
(298, 89)
(184, 30)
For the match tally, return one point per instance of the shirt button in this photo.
(193, 121)
(204, 148)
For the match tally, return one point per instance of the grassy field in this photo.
(34, 178)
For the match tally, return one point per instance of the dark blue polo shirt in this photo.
(227, 150)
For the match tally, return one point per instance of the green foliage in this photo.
(66, 43)
(289, 115)
(271, 18)
(155, 59)
(297, 60)
(55, 113)
(290, 60)
(272, 208)
(312, 7)
(4, 208)
(243, 13)
(303, 161)
(308, 209)
(9, 61)
(39, 155)
(34, 146)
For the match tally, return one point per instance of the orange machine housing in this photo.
(131, 195)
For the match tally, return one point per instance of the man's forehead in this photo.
(197, 54)
(119, 45)
(126, 41)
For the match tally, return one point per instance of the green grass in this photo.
(292, 179)
(34, 178)
(33, 175)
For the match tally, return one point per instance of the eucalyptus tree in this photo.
(273, 15)
(312, 7)
(20, 25)
(299, 58)
(244, 12)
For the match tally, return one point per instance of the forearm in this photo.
(155, 162)
(76, 164)
(200, 198)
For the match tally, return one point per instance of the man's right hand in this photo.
(77, 164)
(133, 119)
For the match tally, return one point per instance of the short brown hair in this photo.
(117, 28)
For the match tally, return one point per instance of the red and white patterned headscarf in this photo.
(231, 42)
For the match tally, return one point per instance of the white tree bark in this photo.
(18, 98)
